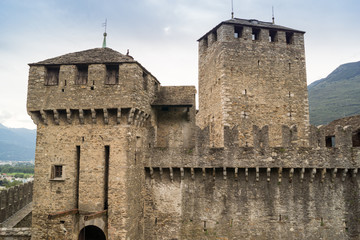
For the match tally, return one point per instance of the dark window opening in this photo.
(289, 38)
(165, 109)
(255, 34)
(52, 76)
(112, 74)
(356, 139)
(156, 87)
(57, 171)
(145, 81)
(330, 141)
(272, 36)
(82, 75)
(238, 31)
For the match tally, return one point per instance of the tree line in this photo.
(17, 168)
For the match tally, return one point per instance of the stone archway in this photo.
(91, 232)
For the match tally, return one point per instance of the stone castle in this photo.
(121, 157)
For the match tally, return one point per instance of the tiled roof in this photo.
(91, 56)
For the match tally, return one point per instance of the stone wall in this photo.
(14, 198)
(256, 192)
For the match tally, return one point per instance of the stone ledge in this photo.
(15, 232)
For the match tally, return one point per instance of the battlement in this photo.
(252, 30)
(14, 198)
(260, 154)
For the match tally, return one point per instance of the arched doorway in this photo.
(91, 233)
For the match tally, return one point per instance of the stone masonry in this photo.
(121, 157)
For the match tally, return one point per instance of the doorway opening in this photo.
(91, 233)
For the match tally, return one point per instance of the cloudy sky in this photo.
(160, 34)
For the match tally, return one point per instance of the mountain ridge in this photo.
(17, 144)
(336, 96)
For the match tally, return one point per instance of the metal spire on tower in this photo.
(105, 34)
(232, 9)
(273, 16)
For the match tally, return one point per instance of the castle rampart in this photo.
(14, 198)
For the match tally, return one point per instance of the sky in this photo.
(160, 34)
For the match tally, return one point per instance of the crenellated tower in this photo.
(91, 109)
(252, 73)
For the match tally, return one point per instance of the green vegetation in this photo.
(21, 168)
(336, 96)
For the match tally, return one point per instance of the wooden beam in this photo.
(95, 215)
(64, 213)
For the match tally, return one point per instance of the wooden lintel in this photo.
(95, 215)
(62, 214)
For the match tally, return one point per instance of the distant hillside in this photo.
(336, 96)
(17, 144)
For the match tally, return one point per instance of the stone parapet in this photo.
(14, 198)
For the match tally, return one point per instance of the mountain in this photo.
(17, 144)
(336, 96)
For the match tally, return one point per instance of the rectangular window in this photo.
(330, 141)
(52, 76)
(272, 36)
(214, 34)
(56, 172)
(82, 75)
(238, 31)
(255, 34)
(289, 38)
(112, 74)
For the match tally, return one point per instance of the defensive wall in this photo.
(258, 192)
(12, 201)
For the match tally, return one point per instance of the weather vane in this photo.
(105, 34)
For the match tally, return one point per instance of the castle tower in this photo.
(91, 109)
(252, 73)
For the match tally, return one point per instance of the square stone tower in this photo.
(252, 73)
(91, 109)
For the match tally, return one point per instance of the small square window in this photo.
(57, 172)
(272, 36)
(112, 74)
(82, 76)
(52, 76)
(238, 31)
